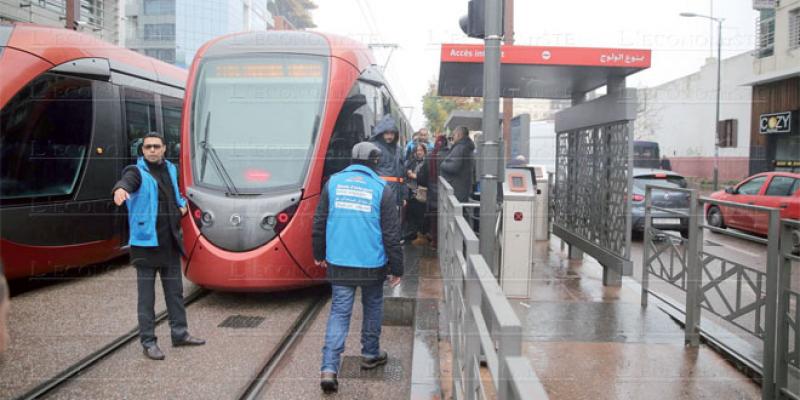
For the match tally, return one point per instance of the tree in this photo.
(295, 11)
(437, 108)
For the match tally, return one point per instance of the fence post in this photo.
(781, 327)
(510, 345)
(773, 288)
(693, 273)
(472, 301)
(646, 239)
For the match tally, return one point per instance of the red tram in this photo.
(73, 110)
(268, 117)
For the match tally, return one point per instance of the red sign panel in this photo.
(543, 55)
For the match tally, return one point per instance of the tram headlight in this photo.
(207, 218)
(268, 222)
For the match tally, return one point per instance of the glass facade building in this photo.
(173, 30)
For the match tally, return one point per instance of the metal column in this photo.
(491, 132)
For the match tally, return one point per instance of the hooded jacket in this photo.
(457, 168)
(391, 162)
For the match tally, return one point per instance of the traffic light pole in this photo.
(491, 133)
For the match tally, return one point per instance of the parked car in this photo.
(679, 201)
(768, 189)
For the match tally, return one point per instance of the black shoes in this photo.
(370, 363)
(328, 382)
(189, 340)
(153, 352)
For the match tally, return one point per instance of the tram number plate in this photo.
(666, 221)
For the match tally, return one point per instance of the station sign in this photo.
(544, 55)
(536, 71)
(775, 123)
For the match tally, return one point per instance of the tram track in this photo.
(259, 382)
(68, 374)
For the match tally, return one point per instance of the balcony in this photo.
(765, 37)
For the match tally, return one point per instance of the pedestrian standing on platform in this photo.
(431, 173)
(356, 237)
(390, 168)
(150, 191)
(417, 183)
(457, 166)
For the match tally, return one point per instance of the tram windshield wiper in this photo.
(215, 160)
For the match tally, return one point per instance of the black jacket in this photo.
(391, 162)
(390, 227)
(168, 219)
(457, 168)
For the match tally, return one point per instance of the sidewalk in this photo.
(585, 341)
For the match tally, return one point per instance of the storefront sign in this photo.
(775, 123)
(787, 164)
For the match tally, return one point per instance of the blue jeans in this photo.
(339, 324)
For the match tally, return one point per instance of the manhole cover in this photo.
(241, 322)
(392, 371)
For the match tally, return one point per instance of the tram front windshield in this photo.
(255, 120)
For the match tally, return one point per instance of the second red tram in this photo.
(73, 110)
(268, 117)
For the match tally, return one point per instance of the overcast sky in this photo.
(419, 27)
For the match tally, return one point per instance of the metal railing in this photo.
(480, 319)
(788, 340)
(744, 296)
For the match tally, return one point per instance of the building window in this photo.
(159, 7)
(159, 31)
(166, 55)
(728, 133)
(794, 28)
(765, 34)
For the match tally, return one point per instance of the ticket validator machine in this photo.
(517, 234)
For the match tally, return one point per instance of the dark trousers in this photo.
(415, 218)
(171, 282)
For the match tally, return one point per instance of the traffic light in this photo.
(474, 23)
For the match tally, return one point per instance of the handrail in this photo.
(708, 200)
(699, 271)
(480, 318)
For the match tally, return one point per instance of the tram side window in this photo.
(140, 118)
(348, 131)
(45, 131)
(171, 114)
(373, 96)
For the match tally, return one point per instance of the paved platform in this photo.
(409, 334)
(586, 341)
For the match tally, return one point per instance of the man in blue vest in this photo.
(150, 191)
(356, 237)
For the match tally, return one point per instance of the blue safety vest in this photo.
(143, 205)
(353, 231)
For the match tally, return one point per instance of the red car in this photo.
(768, 189)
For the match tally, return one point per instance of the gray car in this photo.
(661, 198)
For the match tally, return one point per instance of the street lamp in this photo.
(719, 70)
